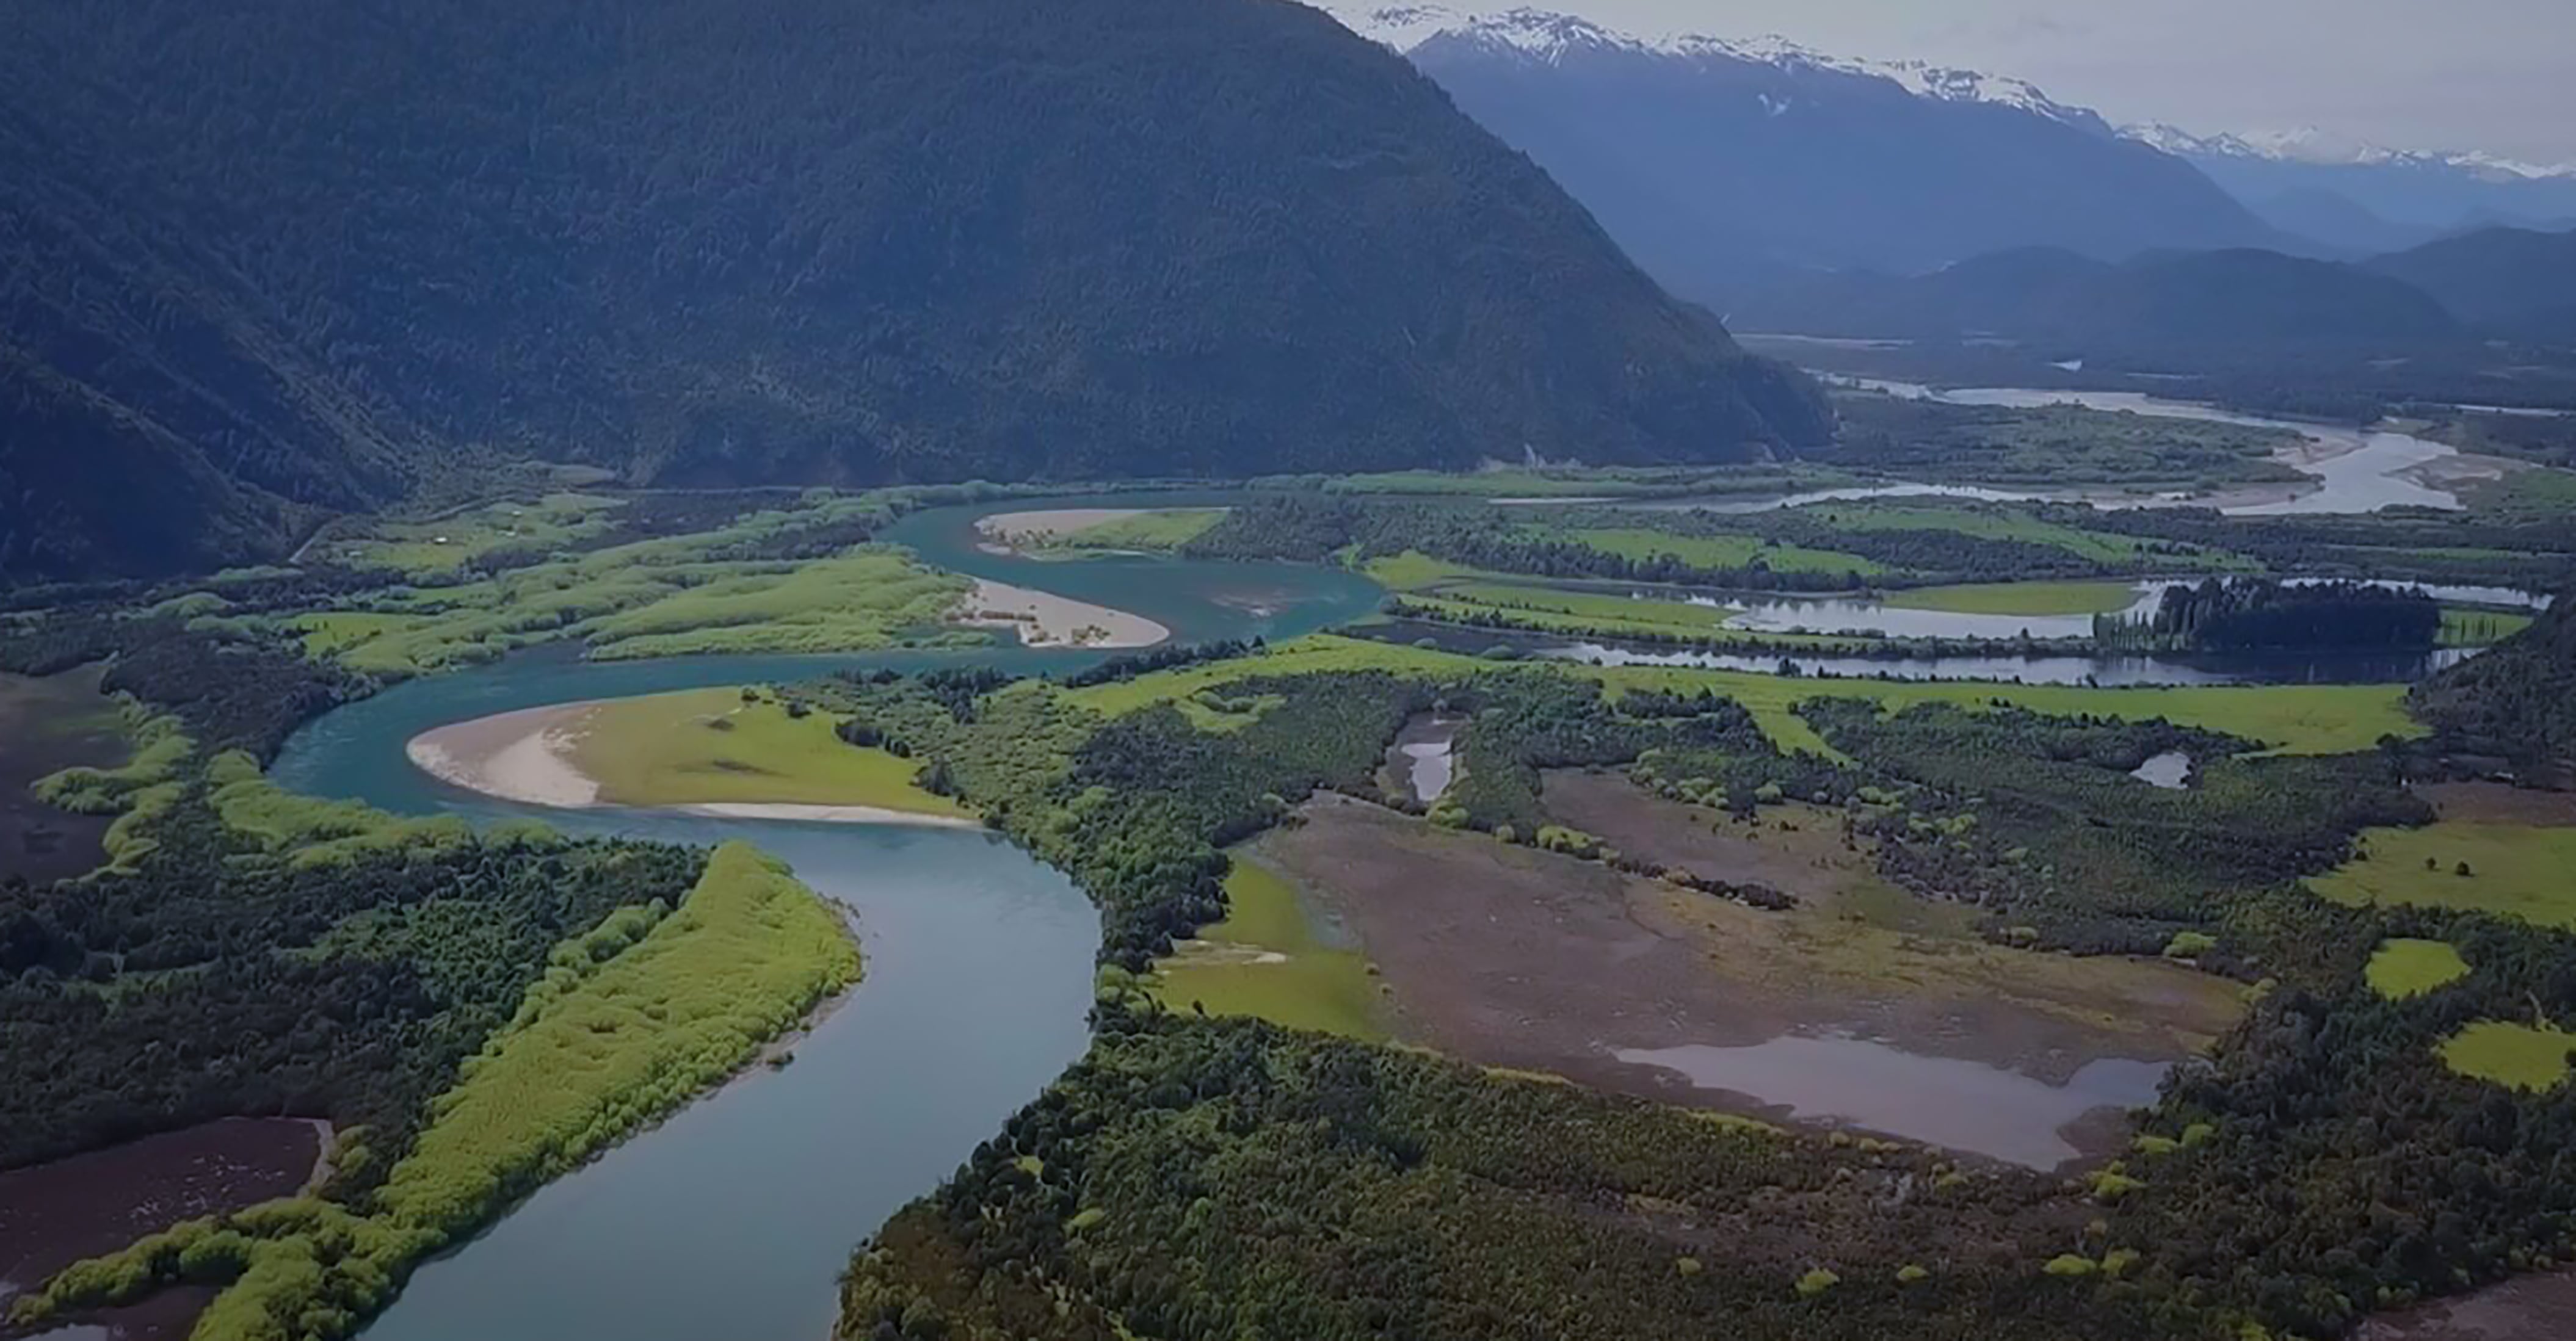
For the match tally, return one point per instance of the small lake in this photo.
(1948, 1102)
(1424, 756)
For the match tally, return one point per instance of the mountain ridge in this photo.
(788, 241)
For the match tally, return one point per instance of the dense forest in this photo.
(265, 259)
(2247, 614)
(1216, 1178)
(2516, 700)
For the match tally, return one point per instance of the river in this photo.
(2353, 469)
(735, 1217)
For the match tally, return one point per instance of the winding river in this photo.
(735, 1217)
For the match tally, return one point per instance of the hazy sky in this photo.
(2497, 75)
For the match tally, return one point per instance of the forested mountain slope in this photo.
(2517, 699)
(2243, 298)
(2513, 280)
(727, 241)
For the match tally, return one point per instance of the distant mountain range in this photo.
(1720, 163)
(1715, 162)
(269, 257)
(2493, 283)
(2241, 298)
(2363, 197)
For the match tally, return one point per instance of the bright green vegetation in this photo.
(713, 745)
(1264, 959)
(612, 1036)
(2465, 627)
(1724, 552)
(629, 1021)
(2099, 546)
(2020, 598)
(2291, 719)
(432, 548)
(1152, 530)
(1413, 570)
(2516, 1056)
(660, 597)
(2405, 966)
(309, 831)
(2515, 870)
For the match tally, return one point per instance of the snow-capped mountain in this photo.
(2368, 197)
(1718, 160)
(2322, 148)
(1548, 37)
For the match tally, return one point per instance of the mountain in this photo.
(2427, 192)
(2212, 300)
(267, 256)
(1713, 161)
(2510, 280)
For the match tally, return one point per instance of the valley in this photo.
(1203, 670)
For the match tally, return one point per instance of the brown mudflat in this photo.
(2498, 803)
(46, 724)
(52, 1215)
(1517, 958)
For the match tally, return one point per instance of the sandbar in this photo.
(1044, 619)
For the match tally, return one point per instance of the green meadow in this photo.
(2516, 1056)
(2403, 967)
(2512, 870)
(1264, 959)
(712, 745)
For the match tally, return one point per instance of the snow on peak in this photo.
(2308, 144)
(1548, 38)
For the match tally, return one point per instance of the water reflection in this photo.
(1943, 1101)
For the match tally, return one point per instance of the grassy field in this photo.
(708, 745)
(2515, 870)
(2462, 627)
(2098, 546)
(1264, 959)
(2517, 1056)
(661, 597)
(432, 548)
(2020, 598)
(2294, 719)
(1720, 551)
(1415, 571)
(2403, 967)
(1152, 530)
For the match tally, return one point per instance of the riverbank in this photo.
(718, 753)
(1044, 619)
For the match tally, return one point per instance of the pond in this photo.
(1943, 1101)
(2170, 770)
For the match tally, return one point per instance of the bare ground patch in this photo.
(1517, 958)
(2497, 803)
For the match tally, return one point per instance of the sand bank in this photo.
(1032, 530)
(527, 756)
(1045, 619)
(523, 756)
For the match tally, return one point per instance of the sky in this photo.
(2492, 75)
